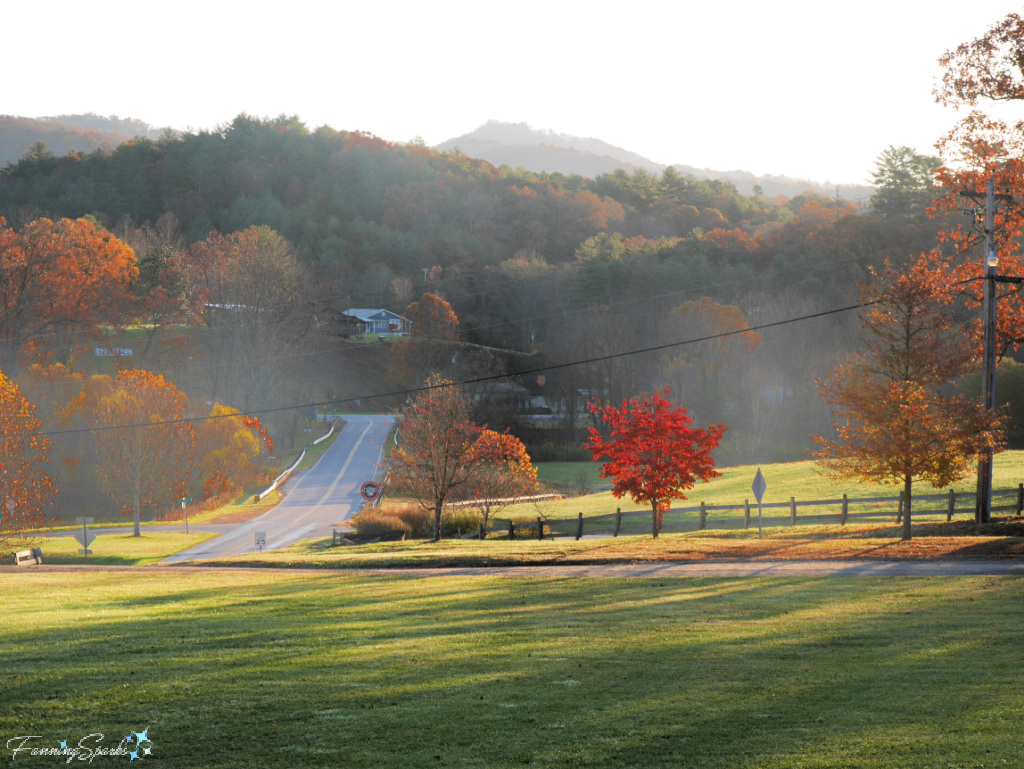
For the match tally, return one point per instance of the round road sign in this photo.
(370, 490)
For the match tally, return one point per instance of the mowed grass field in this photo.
(230, 668)
(117, 549)
(1003, 539)
(802, 480)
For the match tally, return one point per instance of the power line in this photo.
(221, 328)
(477, 380)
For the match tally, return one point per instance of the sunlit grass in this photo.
(230, 668)
(802, 480)
(805, 542)
(119, 549)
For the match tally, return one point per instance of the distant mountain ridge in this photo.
(126, 126)
(518, 144)
(63, 133)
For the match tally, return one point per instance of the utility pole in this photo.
(983, 503)
(983, 506)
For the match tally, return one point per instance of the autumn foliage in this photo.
(228, 446)
(989, 69)
(895, 419)
(58, 282)
(144, 443)
(440, 452)
(652, 453)
(505, 473)
(429, 346)
(26, 490)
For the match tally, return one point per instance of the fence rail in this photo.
(681, 519)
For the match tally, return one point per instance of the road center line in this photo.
(348, 461)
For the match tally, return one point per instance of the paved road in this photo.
(315, 501)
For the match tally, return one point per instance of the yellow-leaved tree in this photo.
(26, 491)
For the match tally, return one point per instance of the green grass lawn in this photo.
(792, 479)
(119, 549)
(960, 539)
(242, 669)
(571, 474)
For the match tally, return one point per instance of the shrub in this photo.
(460, 520)
(373, 523)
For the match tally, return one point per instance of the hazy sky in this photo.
(808, 89)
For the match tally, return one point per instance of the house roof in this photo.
(373, 314)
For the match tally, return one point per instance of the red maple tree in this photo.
(652, 453)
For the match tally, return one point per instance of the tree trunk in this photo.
(907, 480)
(654, 519)
(138, 489)
(137, 532)
(437, 521)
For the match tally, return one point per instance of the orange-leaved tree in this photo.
(430, 345)
(144, 442)
(25, 488)
(227, 447)
(505, 473)
(652, 453)
(58, 282)
(438, 451)
(985, 71)
(897, 419)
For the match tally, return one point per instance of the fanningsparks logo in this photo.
(134, 745)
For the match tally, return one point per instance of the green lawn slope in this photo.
(802, 480)
(228, 668)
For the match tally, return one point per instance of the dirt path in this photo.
(859, 568)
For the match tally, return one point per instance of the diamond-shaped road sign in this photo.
(759, 486)
(84, 537)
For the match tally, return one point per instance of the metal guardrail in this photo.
(325, 436)
(281, 478)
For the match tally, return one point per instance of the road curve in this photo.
(315, 501)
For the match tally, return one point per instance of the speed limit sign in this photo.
(370, 490)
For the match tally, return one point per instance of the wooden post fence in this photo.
(1020, 498)
(703, 515)
(618, 521)
(483, 532)
(540, 529)
(846, 510)
(952, 506)
(792, 510)
(579, 527)
(511, 530)
(899, 513)
(746, 513)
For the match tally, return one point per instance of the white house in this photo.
(382, 321)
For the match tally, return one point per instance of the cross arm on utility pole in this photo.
(979, 196)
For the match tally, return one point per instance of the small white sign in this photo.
(261, 539)
(115, 352)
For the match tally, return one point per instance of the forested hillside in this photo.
(552, 266)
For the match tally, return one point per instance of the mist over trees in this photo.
(232, 255)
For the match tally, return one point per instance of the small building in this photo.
(382, 321)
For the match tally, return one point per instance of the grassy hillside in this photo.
(802, 480)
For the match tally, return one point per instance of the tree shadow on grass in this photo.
(329, 671)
